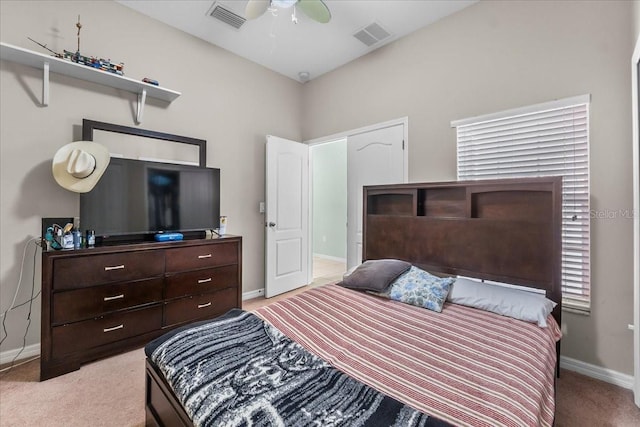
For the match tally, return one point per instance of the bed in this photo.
(377, 357)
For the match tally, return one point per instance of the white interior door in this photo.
(374, 157)
(286, 216)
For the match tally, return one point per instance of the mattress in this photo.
(465, 366)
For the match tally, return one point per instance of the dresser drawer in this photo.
(201, 281)
(200, 306)
(204, 256)
(79, 336)
(91, 270)
(79, 304)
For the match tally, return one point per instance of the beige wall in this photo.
(230, 102)
(494, 56)
(636, 18)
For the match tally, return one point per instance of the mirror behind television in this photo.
(136, 199)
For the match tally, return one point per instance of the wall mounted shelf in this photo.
(52, 64)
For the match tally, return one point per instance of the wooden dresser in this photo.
(101, 301)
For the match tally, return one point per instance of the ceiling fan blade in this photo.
(315, 9)
(256, 8)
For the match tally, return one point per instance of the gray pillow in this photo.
(375, 275)
(522, 305)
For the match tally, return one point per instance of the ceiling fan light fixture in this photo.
(314, 9)
(284, 4)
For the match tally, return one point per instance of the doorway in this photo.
(329, 210)
(376, 154)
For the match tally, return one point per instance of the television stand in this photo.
(102, 301)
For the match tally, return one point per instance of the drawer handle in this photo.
(200, 281)
(115, 267)
(204, 256)
(114, 297)
(204, 305)
(115, 328)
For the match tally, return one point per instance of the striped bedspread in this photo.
(466, 366)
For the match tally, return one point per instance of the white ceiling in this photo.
(287, 48)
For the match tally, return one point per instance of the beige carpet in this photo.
(583, 401)
(110, 392)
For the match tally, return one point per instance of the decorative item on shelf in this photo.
(89, 61)
(56, 54)
(150, 81)
(99, 63)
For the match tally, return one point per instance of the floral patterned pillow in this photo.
(417, 287)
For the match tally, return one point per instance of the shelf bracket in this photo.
(45, 84)
(142, 97)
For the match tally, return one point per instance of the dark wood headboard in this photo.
(503, 230)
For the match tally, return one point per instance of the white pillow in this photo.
(514, 303)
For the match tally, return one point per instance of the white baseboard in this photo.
(330, 258)
(603, 374)
(29, 351)
(253, 294)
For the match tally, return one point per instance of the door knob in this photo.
(272, 224)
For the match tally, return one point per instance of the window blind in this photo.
(548, 139)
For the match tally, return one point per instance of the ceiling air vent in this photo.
(225, 15)
(372, 34)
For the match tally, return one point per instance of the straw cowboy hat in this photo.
(79, 165)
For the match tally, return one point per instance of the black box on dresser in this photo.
(102, 301)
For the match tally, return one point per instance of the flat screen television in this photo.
(139, 199)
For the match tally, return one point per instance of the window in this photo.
(540, 140)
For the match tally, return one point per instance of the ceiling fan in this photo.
(314, 9)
